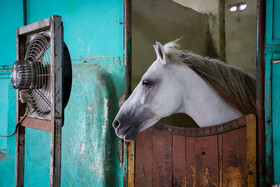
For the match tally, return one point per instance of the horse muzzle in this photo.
(125, 132)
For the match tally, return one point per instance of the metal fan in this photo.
(32, 76)
(42, 76)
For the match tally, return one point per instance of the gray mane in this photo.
(235, 86)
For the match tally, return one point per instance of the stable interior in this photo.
(222, 29)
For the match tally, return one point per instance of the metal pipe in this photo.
(130, 148)
(260, 93)
(24, 12)
(127, 43)
(222, 54)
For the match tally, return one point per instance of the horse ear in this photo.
(161, 53)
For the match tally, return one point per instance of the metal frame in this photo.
(54, 24)
(130, 147)
(260, 93)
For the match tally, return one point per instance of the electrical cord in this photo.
(17, 125)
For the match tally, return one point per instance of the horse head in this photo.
(156, 96)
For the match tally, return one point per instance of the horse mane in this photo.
(235, 86)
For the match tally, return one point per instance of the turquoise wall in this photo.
(272, 91)
(11, 17)
(91, 154)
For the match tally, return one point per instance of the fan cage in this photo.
(39, 53)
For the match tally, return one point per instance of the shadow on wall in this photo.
(164, 21)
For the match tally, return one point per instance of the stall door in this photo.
(272, 91)
(221, 155)
(91, 153)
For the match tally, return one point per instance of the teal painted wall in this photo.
(10, 18)
(93, 32)
(272, 91)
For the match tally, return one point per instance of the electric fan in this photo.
(42, 76)
(32, 76)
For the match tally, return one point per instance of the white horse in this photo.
(208, 90)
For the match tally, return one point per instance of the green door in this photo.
(92, 155)
(272, 91)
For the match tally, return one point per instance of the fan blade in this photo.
(42, 52)
(44, 98)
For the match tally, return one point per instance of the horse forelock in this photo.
(235, 86)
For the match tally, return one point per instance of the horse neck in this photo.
(201, 102)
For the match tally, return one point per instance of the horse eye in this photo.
(146, 83)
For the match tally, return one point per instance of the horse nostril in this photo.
(116, 123)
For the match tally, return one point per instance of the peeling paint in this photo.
(206, 177)
(97, 60)
(83, 147)
(233, 177)
(89, 108)
(2, 156)
(193, 175)
(106, 109)
(122, 99)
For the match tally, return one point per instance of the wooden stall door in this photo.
(225, 159)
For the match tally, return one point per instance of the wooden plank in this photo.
(162, 155)
(144, 159)
(251, 150)
(37, 124)
(235, 158)
(220, 159)
(202, 161)
(179, 161)
(131, 164)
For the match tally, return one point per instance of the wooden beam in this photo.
(37, 124)
(251, 150)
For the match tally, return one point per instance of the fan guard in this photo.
(32, 75)
(39, 98)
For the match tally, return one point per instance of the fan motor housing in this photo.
(23, 75)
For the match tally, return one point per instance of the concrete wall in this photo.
(164, 21)
(240, 29)
(234, 32)
(215, 17)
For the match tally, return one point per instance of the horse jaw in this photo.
(201, 102)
